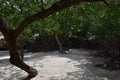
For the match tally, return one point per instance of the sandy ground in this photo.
(76, 65)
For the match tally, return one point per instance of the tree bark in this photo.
(11, 41)
(16, 59)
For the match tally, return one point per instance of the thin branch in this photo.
(57, 6)
(104, 1)
(42, 5)
(58, 42)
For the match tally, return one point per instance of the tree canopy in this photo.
(92, 17)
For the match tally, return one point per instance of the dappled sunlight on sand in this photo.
(76, 65)
(55, 67)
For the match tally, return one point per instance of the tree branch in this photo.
(57, 6)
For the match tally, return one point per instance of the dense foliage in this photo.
(94, 20)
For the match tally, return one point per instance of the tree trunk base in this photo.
(19, 63)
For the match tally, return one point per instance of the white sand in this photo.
(54, 66)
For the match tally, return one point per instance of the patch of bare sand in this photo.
(76, 65)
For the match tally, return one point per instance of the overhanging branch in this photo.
(57, 6)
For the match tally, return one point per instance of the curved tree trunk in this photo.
(15, 58)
